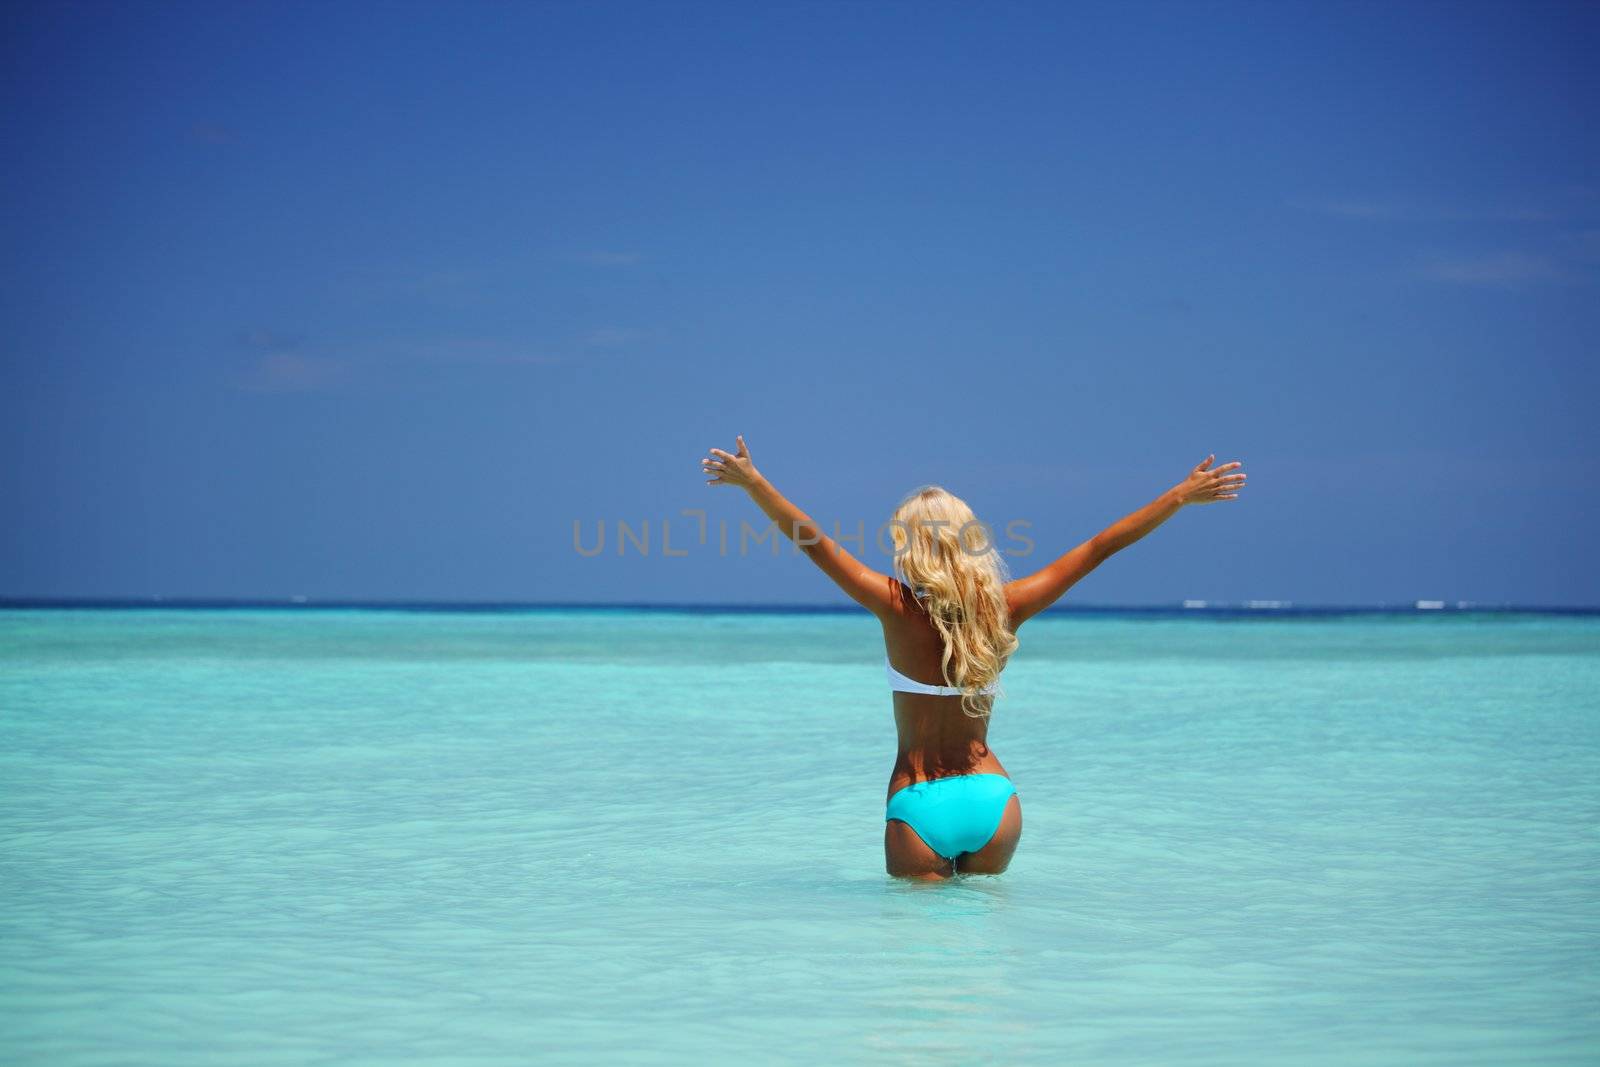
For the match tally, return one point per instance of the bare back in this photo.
(936, 738)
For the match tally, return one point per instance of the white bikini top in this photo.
(901, 684)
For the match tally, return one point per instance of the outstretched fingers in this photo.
(714, 467)
(727, 468)
(1227, 486)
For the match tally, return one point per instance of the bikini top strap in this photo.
(900, 683)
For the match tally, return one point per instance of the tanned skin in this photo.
(935, 739)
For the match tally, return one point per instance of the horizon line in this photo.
(1177, 607)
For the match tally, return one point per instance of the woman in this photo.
(949, 614)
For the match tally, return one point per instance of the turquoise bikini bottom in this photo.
(953, 815)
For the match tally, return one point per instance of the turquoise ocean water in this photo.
(306, 837)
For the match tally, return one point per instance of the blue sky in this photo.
(375, 301)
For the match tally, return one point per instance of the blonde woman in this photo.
(949, 614)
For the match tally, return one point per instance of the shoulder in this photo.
(900, 604)
(1013, 591)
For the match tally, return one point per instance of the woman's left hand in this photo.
(727, 469)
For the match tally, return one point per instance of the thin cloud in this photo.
(1403, 211)
(478, 350)
(1545, 256)
(285, 363)
(291, 372)
(278, 365)
(1501, 268)
(1349, 209)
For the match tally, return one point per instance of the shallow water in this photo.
(310, 837)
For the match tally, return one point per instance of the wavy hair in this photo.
(949, 561)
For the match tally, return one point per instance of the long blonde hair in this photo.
(948, 559)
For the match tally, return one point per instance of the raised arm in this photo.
(866, 586)
(1028, 596)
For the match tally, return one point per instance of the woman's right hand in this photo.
(1205, 485)
(728, 469)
